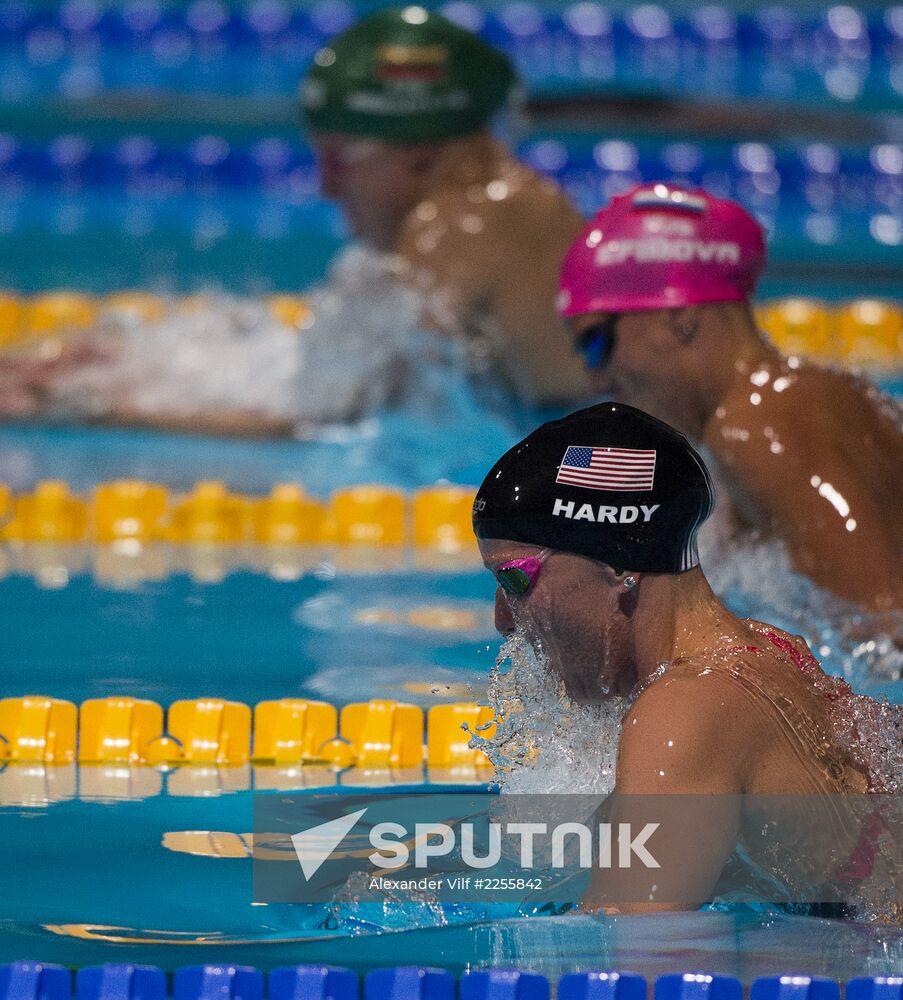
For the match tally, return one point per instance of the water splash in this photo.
(225, 354)
(545, 742)
(370, 344)
(357, 909)
(757, 580)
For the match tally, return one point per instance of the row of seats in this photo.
(133, 513)
(261, 46)
(37, 981)
(785, 28)
(864, 331)
(377, 734)
(820, 172)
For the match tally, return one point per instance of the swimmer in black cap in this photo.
(589, 527)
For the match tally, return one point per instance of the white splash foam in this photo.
(545, 742)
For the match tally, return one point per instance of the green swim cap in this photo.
(405, 75)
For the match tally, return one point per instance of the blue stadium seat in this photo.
(503, 984)
(133, 23)
(265, 23)
(714, 26)
(468, 15)
(587, 20)
(548, 156)
(602, 986)
(211, 164)
(697, 986)
(34, 981)
(16, 17)
(794, 988)
(409, 982)
(649, 49)
(886, 162)
(266, 164)
(120, 982)
(217, 982)
(816, 175)
(328, 17)
(875, 988)
(208, 20)
(313, 982)
(683, 162)
(842, 32)
(67, 161)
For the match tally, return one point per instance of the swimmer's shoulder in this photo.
(689, 730)
(514, 206)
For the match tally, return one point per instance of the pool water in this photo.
(137, 864)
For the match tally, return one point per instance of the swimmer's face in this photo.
(376, 183)
(572, 614)
(646, 364)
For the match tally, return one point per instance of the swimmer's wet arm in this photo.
(681, 764)
(224, 423)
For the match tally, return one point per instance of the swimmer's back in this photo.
(495, 238)
(756, 713)
(819, 454)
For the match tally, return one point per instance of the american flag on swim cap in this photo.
(627, 469)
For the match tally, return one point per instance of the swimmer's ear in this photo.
(684, 323)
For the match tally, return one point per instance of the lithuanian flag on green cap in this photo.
(405, 75)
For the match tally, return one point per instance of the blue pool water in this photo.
(95, 863)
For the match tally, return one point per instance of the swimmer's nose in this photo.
(504, 620)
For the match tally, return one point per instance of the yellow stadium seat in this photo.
(129, 508)
(383, 733)
(117, 730)
(447, 741)
(210, 514)
(288, 517)
(50, 514)
(211, 730)
(292, 729)
(369, 515)
(442, 518)
(54, 312)
(871, 333)
(800, 327)
(36, 728)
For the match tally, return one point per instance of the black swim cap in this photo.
(608, 482)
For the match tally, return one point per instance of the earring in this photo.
(629, 582)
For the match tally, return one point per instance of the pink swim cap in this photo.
(660, 246)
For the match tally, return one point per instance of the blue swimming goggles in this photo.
(597, 342)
